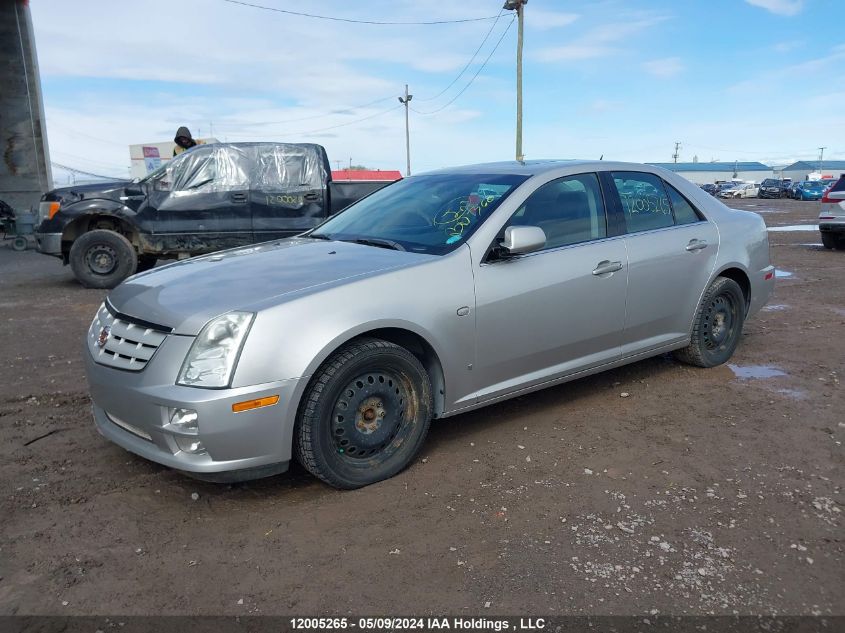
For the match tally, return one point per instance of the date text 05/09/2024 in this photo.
(418, 624)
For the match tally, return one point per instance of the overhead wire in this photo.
(354, 21)
(471, 59)
(478, 72)
(336, 112)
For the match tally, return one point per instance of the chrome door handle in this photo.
(696, 245)
(605, 267)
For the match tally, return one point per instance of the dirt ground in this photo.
(700, 492)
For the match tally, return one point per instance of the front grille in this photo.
(126, 345)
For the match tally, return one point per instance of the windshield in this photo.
(769, 182)
(424, 214)
(813, 184)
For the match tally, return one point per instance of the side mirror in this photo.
(523, 239)
(134, 189)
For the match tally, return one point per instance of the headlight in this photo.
(211, 360)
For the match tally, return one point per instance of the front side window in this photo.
(645, 203)
(569, 210)
(424, 214)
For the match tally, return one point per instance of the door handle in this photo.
(606, 267)
(238, 197)
(696, 245)
(311, 197)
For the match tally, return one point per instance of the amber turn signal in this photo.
(249, 405)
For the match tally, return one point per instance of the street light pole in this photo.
(406, 101)
(517, 5)
(821, 159)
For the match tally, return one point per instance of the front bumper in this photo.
(132, 409)
(49, 243)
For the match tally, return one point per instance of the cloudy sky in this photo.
(729, 79)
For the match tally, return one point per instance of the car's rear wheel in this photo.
(717, 327)
(364, 415)
(102, 259)
(829, 240)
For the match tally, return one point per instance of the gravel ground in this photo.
(701, 491)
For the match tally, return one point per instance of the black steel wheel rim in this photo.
(719, 322)
(372, 415)
(101, 259)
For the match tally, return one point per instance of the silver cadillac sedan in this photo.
(439, 294)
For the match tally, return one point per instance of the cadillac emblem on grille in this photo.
(104, 336)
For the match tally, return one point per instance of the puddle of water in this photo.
(795, 394)
(756, 371)
(776, 308)
(783, 274)
(793, 227)
(839, 311)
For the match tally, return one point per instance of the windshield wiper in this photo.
(319, 236)
(377, 242)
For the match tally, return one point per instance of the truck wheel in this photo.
(19, 244)
(145, 263)
(102, 259)
(364, 415)
(718, 325)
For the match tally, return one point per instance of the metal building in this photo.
(803, 168)
(25, 160)
(703, 173)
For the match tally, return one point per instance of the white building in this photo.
(704, 173)
(145, 157)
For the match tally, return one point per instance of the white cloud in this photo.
(601, 41)
(542, 20)
(667, 67)
(780, 7)
(787, 46)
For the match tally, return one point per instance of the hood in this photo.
(183, 131)
(110, 189)
(185, 295)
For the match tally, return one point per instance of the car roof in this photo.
(540, 166)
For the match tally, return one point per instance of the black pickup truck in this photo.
(213, 197)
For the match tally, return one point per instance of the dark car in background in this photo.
(711, 189)
(772, 188)
(214, 197)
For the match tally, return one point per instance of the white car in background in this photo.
(746, 190)
(832, 216)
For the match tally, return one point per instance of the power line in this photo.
(333, 127)
(478, 72)
(80, 171)
(353, 21)
(471, 59)
(304, 118)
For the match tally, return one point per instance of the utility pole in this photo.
(407, 103)
(677, 147)
(821, 158)
(518, 6)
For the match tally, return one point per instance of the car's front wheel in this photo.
(102, 259)
(717, 327)
(364, 415)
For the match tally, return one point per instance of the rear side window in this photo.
(840, 184)
(685, 213)
(645, 203)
